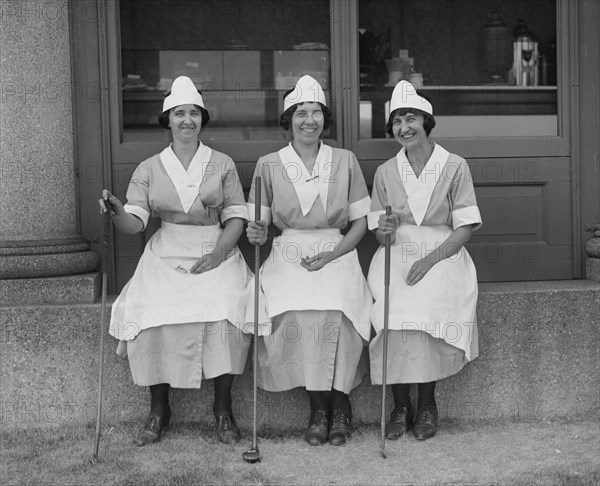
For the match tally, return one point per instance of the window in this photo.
(243, 56)
(488, 67)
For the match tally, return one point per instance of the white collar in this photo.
(419, 190)
(186, 182)
(308, 186)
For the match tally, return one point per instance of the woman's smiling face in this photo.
(185, 122)
(408, 129)
(307, 122)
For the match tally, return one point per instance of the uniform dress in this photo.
(433, 326)
(181, 327)
(320, 319)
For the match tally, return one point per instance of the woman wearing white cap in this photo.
(177, 314)
(433, 287)
(315, 294)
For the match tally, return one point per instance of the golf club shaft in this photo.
(386, 311)
(257, 217)
(101, 364)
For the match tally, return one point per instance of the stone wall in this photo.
(539, 356)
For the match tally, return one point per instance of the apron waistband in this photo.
(193, 228)
(323, 231)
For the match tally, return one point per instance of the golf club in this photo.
(386, 312)
(103, 265)
(252, 456)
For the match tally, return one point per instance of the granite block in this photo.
(73, 289)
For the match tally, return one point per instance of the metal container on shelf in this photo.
(495, 51)
(525, 56)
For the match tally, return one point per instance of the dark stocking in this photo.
(223, 385)
(426, 394)
(159, 399)
(401, 393)
(340, 401)
(319, 400)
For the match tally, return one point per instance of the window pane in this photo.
(243, 56)
(488, 67)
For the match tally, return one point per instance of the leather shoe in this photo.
(227, 430)
(318, 426)
(340, 429)
(426, 422)
(401, 421)
(152, 430)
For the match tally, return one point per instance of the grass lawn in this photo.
(463, 453)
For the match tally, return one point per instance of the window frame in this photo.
(239, 150)
(475, 147)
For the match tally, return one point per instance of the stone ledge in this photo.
(48, 265)
(539, 348)
(542, 286)
(76, 289)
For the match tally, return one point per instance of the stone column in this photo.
(38, 218)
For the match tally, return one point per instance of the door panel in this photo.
(526, 212)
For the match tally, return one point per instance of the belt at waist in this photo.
(322, 231)
(193, 228)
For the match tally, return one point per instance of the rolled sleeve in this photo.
(139, 212)
(240, 211)
(359, 209)
(466, 216)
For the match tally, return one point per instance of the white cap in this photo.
(307, 90)
(405, 96)
(183, 92)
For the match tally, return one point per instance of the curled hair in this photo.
(286, 118)
(428, 123)
(163, 118)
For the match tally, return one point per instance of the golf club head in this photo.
(251, 456)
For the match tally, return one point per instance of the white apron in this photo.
(339, 285)
(442, 304)
(163, 292)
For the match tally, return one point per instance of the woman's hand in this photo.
(317, 262)
(451, 246)
(116, 206)
(210, 261)
(387, 226)
(419, 269)
(125, 222)
(256, 231)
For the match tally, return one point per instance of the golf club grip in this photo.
(257, 194)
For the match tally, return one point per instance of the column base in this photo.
(592, 269)
(46, 258)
